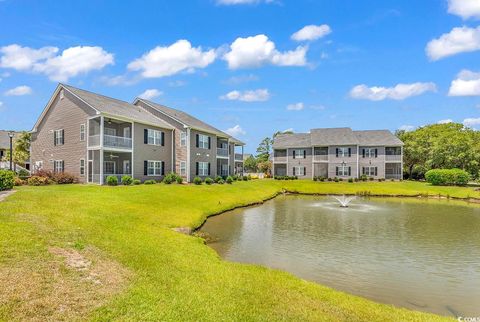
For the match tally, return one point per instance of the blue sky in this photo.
(250, 67)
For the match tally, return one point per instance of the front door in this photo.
(126, 167)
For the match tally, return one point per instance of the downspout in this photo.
(188, 155)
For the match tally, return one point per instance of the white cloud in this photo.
(459, 40)
(399, 92)
(71, 62)
(259, 95)
(446, 121)
(311, 32)
(295, 107)
(407, 128)
(471, 122)
(464, 8)
(235, 131)
(258, 50)
(466, 84)
(150, 94)
(240, 2)
(19, 91)
(170, 60)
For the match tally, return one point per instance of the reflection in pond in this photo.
(419, 254)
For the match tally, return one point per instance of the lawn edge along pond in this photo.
(76, 251)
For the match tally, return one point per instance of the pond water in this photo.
(419, 254)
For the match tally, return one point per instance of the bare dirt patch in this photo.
(65, 285)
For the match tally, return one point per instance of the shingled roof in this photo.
(188, 120)
(114, 107)
(336, 136)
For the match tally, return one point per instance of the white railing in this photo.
(320, 157)
(117, 142)
(223, 152)
(394, 157)
(238, 157)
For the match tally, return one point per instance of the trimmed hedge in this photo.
(447, 177)
(112, 180)
(127, 180)
(6, 179)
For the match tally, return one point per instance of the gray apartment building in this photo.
(338, 152)
(94, 136)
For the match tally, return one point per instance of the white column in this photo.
(101, 149)
(228, 154)
(188, 155)
(313, 165)
(133, 151)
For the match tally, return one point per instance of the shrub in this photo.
(23, 173)
(335, 179)
(229, 180)
(209, 181)
(371, 178)
(340, 179)
(179, 180)
(150, 181)
(329, 179)
(356, 179)
(127, 180)
(363, 177)
(170, 178)
(112, 180)
(38, 181)
(350, 180)
(221, 181)
(18, 181)
(218, 178)
(197, 180)
(447, 177)
(249, 177)
(315, 178)
(244, 178)
(137, 182)
(7, 178)
(322, 179)
(64, 178)
(45, 174)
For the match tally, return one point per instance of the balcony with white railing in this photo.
(393, 158)
(320, 158)
(110, 141)
(222, 152)
(239, 157)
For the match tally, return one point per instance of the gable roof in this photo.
(187, 119)
(333, 136)
(115, 107)
(336, 136)
(292, 140)
(377, 137)
(5, 139)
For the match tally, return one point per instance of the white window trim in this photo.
(82, 132)
(183, 167)
(55, 164)
(343, 152)
(369, 153)
(183, 138)
(203, 169)
(300, 154)
(154, 137)
(154, 174)
(203, 141)
(59, 136)
(299, 171)
(82, 167)
(342, 170)
(370, 172)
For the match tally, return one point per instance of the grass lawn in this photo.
(101, 253)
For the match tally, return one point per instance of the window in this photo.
(369, 171)
(109, 167)
(154, 168)
(393, 151)
(343, 171)
(58, 166)
(127, 132)
(154, 137)
(110, 131)
(299, 154)
(183, 138)
(82, 167)
(58, 137)
(344, 152)
(203, 168)
(82, 132)
(203, 141)
(183, 168)
(38, 165)
(370, 153)
(299, 171)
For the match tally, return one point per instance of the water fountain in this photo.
(344, 200)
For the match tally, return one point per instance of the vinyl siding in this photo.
(307, 162)
(203, 155)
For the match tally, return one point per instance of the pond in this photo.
(418, 254)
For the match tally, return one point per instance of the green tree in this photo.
(21, 149)
(264, 149)
(250, 164)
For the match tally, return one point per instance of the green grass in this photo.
(150, 272)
